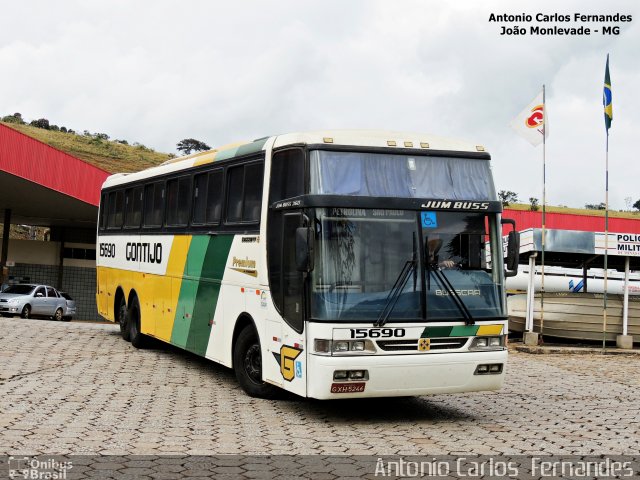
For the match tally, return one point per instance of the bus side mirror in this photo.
(304, 249)
(513, 250)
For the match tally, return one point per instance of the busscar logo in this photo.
(286, 359)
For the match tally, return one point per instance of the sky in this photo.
(159, 71)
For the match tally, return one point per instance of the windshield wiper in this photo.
(468, 318)
(396, 290)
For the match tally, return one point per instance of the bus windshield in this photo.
(418, 265)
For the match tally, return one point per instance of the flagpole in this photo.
(608, 116)
(544, 204)
(606, 242)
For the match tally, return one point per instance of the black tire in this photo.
(122, 318)
(58, 315)
(66, 319)
(247, 363)
(26, 311)
(138, 339)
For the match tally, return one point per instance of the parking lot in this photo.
(78, 388)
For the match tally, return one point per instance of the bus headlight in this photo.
(487, 343)
(322, 345)
(343, 347)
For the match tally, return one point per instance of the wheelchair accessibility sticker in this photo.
(429, 220)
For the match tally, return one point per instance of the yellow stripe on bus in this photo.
(205, 158)
(170, 288)
(489, 330)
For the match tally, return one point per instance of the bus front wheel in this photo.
(247, 363)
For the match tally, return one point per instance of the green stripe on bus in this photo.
(245, 149)
(431, 332)
(456, 331)
(189, 289)
(206, 299)
(464, 331)
(225, 154)
(252, 147)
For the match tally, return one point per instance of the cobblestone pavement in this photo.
(78, 388)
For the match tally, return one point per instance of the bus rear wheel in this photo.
(138, 339)
(247, 363)
(123, 319)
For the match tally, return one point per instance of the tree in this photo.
(533, 201)
(637, 205)
(507, 197)
(41, 123)
(189, 145)
(15, 118)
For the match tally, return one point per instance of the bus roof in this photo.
(352, 138)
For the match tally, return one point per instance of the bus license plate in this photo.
(347, 387)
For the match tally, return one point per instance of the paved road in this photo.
(78, 388)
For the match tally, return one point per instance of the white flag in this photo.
(532, 122)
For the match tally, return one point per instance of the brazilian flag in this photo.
(606, 98)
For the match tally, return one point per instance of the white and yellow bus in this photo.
(331, 264)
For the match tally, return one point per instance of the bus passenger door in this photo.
(286, 338)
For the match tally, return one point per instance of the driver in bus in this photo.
(434, 244)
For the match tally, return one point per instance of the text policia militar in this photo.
(570, 24)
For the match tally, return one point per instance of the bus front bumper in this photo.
(404, 375)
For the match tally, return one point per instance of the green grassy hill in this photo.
(111, 156)
(577, 211)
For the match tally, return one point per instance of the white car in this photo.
(29, 300)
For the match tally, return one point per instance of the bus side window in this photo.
(178, 201)
(153, 204)
(133, 207)
(287, 175)
(235, 180)
(214, 197)
(116, 209)
(244, 192)
(199, 198)
(207, 197)
(253, 180)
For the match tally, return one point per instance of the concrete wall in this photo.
(33, 252)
